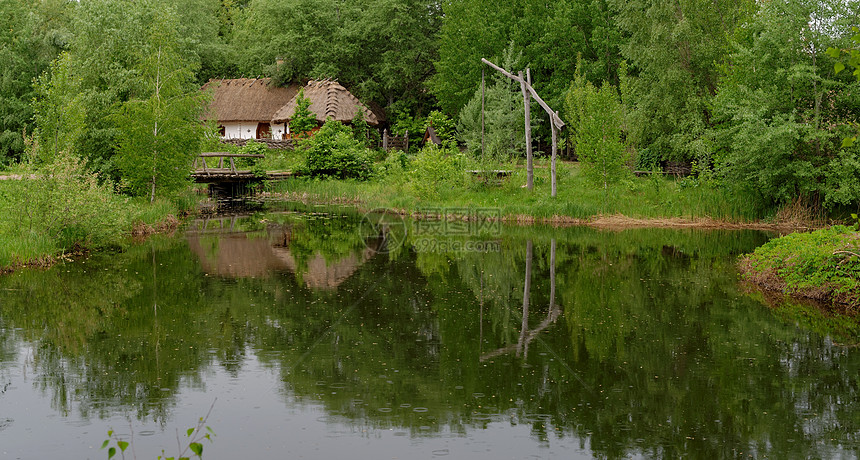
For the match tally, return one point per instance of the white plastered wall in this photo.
(248, 130)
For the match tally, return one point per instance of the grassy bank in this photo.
(410, 189)
(62, 209)
(822, 265)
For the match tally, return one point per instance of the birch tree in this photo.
(160, 129)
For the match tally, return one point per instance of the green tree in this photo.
(159, 126)
(550, 35)
(303, 119)
(595, 119)
(853, 61)
(503, 113)
(671, 48)
(102, 66)
(380, 49)
(782, 110)
(32, 34)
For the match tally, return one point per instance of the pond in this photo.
(321, 333)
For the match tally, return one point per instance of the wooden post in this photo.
(406, 142)
(482, 113)
(554, 150)
(530, 174)
(385, 139)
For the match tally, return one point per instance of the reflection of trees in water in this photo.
(656, 353)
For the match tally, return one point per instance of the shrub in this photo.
(334, 153)
(394, 169)
(67, 204)
(435, 169)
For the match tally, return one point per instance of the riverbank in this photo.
(68, 212)
(654, 201)
(823, 265)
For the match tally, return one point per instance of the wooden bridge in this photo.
(202, 173)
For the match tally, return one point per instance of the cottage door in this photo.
(264, 131)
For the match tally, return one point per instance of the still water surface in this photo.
(310, 336)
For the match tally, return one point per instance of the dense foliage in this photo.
(783, 112)
(334, 152)
(595, 122)
(750, 91)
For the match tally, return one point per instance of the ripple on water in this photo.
(5, 423)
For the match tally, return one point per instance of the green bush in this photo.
(333, 152)
(395, 168)
(435, 169)
(65, 204)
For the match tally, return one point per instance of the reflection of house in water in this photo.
(245, 255)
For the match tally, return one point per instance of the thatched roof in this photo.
(329, 100)
(247, 99)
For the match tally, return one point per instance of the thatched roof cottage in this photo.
(254, 109)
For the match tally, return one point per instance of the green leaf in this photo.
(189, 431)
(853, 216)
(838, 67)
(848, 142)
(122, 445)
(197, 448)
(111, 452)
(833, 52)
(104, 444)
(110, 433)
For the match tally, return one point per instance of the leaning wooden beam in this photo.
(555, 118)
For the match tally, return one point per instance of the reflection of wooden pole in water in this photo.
(552, 277)
(155, 311)
(522, 346)
(481, 318)
(526, 336)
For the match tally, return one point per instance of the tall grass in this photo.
(61, 207)
(639, 197)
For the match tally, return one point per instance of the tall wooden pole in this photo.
(482, 113)
(530, 174)
(554, 150)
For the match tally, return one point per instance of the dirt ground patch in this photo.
(619, 222)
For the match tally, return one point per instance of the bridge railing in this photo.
(201, 159)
